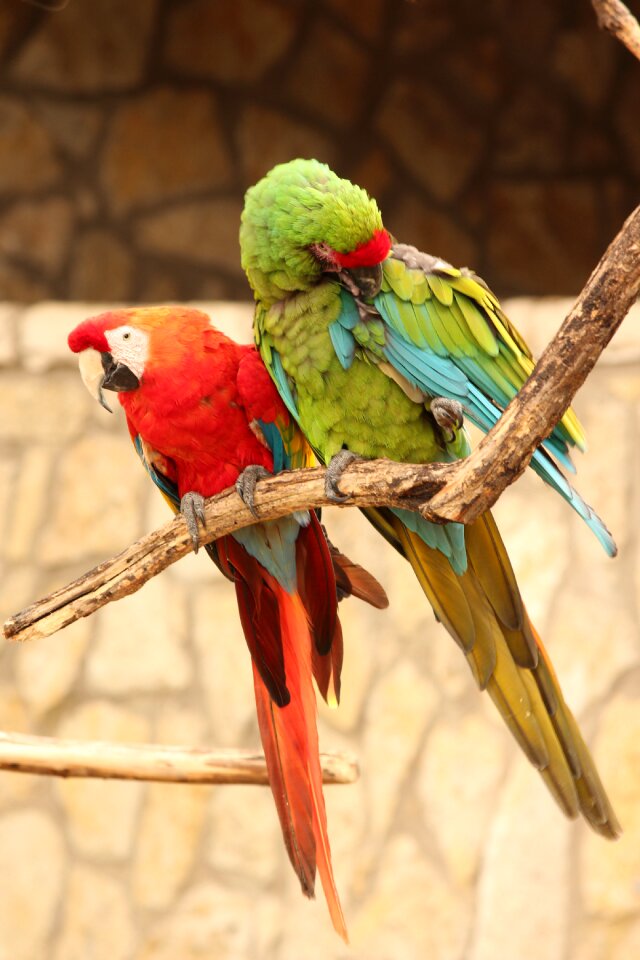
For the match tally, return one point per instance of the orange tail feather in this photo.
(290, 741)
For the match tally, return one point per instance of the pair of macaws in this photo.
(365, 347)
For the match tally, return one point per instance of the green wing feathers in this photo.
(455, 314)
(483, 611)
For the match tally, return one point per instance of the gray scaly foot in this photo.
(246, 485)
(337, 466)
(192, 509)
(449, 416)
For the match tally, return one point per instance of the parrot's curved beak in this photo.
(92, 373)
(117, 376)
(367, 279)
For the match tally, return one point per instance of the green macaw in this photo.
(378, 350)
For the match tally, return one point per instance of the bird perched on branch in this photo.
(204, 415)
(379, 350)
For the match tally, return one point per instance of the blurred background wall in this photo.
(130, 131)
(497, 135)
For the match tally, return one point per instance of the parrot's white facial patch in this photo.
(129, 346)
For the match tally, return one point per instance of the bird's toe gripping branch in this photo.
(192, 509)
(246, 485)
(337, 465)
(449, 416)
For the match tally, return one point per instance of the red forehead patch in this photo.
(90, 333)
(368, 254)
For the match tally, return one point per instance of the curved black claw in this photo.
(246, 485)
(192, 509)
(337, 465)
(449, 415)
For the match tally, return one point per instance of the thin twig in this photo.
(459, 491)
(118, 761)
(618, 20)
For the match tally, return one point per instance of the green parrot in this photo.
(379, 350)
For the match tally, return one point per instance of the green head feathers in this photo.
(297, 206)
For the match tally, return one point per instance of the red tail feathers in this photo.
(290, 742)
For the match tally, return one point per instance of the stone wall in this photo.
(499, 137)
(448, 847)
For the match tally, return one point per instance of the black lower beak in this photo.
(117, 376)
(367, 279)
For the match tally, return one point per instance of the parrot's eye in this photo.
(126, 336)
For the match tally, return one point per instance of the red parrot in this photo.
(204, 414)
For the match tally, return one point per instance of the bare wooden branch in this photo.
(118, 761)
(618, 20)
(459, 491)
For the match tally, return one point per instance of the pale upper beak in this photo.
(92, 373)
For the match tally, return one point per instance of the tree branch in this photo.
(615, 17)
(458, 491)
(118, 761)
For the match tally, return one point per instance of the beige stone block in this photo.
(224, 665)
(29, 503)
(46, 670)
(610, 872)
(38, 231)
(168, 842)
(398, 710)
(357, 669)
(97, 920)
(8, 478)
(140, 642)
(535, 522)
(102, 814)
(111, 55)
(412, 912)
(97, 504)
(608, 422)
(8, 320)
(244, 836)
(163, 145)
(210, 920)
(593, 636)
(15, 788)
(43, 330)
(203, 231)
(17, 590)
(27, 157)
(599, 939)
(461, 771)
(32, 864)
(348, 811)
(525, 885)
(180, 725)
(232, 317)
(443, 164)
(228, 42)
(47, 410)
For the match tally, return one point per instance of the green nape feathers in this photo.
(298, 205)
